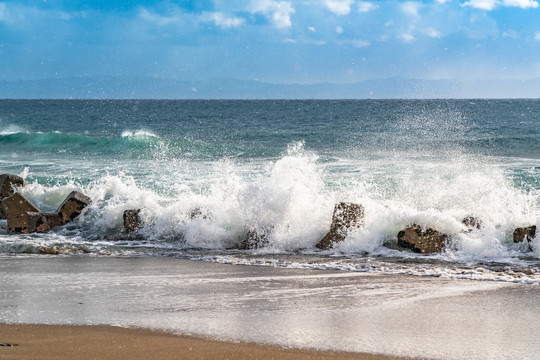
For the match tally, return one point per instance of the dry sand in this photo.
(107, 342)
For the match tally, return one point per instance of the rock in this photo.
(6, 184)
(16, 207)
(132, 220)
(346, 216)
(58, 250)
(72, 206)
(421, 240)
(255, 239)
(53, 219)
(524, 233)
(471, 222)
(200, 213)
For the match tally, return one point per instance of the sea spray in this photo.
(202, 184)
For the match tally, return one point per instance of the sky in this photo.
(274, 41)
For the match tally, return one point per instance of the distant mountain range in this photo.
(109, 87)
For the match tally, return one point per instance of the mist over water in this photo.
(282, 165)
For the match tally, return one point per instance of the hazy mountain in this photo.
(108, 87)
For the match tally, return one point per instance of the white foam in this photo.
(292, 199)
(10, 129)
(138, 133)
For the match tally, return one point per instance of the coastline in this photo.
(109, 342)
(328, 311)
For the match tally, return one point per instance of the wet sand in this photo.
(107, 342)
(394, 315)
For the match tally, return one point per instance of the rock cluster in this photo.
(24, 217)
(347, 216)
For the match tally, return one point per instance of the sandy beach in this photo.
(107, 342)
(335, 311)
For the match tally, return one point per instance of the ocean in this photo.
(279, 167)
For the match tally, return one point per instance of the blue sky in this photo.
(292, 42)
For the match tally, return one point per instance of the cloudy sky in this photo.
(300, 42)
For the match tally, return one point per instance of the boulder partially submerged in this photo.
(347, 216)
(7, 188)
(20, 214)
(523, 233)
(7, 183)
(132, 220)
(255, 239)
(472, 222)
(422, 240)
(72, 206)
(24, 217)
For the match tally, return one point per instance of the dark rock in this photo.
(198, 213)
(72, 206)
(524, 233)
(472, 222)
(421, 240)
(346, 216)
(6, 184)
(53, 219)
(16, 207)
(37, 222)
(255, 239)
(132, 220)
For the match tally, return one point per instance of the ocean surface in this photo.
(280, 167)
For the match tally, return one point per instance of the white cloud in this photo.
(360, 43)
(537, 36)
(156, 18)
(410, 8)
(225, 22)
(279, 11)
(524, 4)
(442, 1)
(407, 37)
(312, 29)
(4, 14)
(491, 4)
(339, 7)
(14, 14)
(481, 4)
(432, 33)
(364, 6)
(339, 30)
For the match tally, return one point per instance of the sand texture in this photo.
(107, 342)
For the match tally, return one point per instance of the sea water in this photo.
(280, 167)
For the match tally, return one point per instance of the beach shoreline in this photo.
(110, 342)
(237, 306)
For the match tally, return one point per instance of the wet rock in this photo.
(524, 233)
(472, 222)
(346, 216)
(132, 220)
(58, 250)
(16, 207)
(421, 240)
(72, 206)
(53, 219)
(199, 213)
(7, 182)
(255, 239)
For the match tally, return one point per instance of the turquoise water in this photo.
(283, 165)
